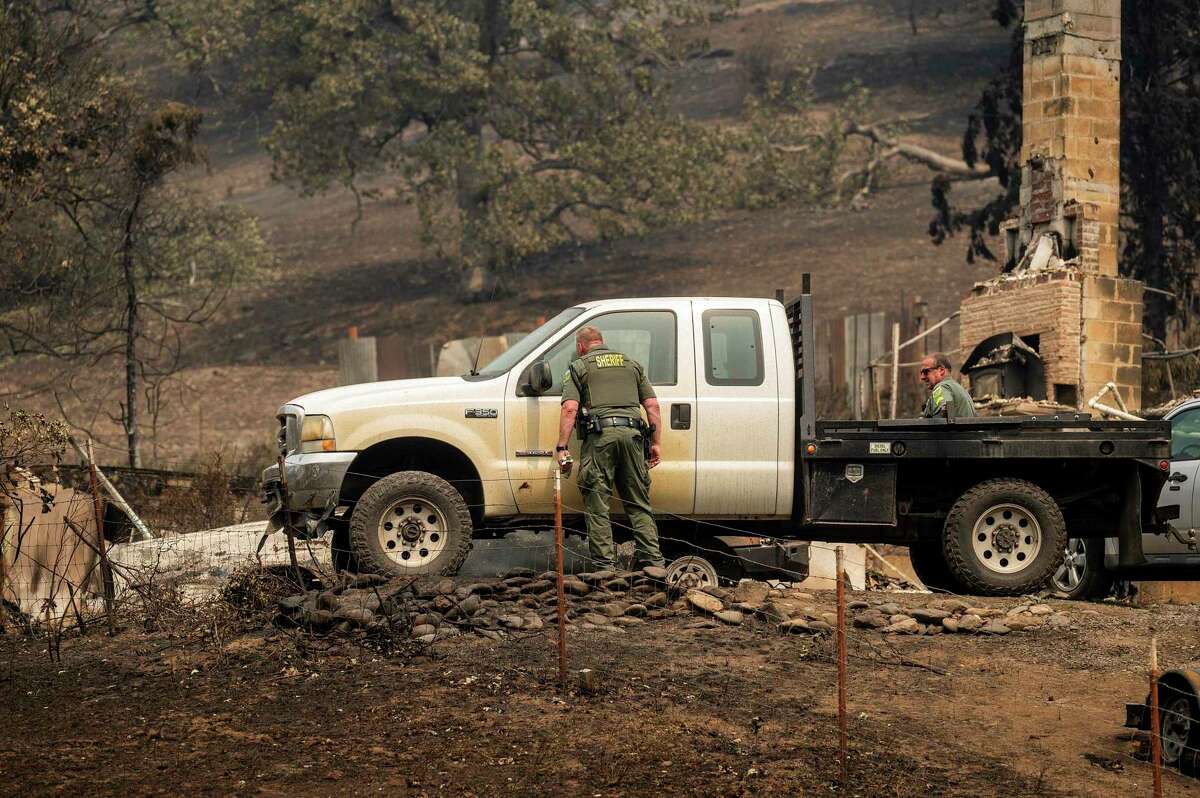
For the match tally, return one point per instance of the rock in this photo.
(596, 577)
(356, 615)
(932, 629)
(576, 587)
(465, 608)
(626, 621)
(950, 605)
(984, 612)
(613, 610)
(828, 617)
(704, 601)
(871, 619)
(363, 580)
(716, 592)
(533, 623)
(318, 619)
(1017, 610)
(705, 624)
(890, 608)
(858, 605)
(994, 627)
(511, 621)
(490, 634)
(445, 587)
(636, 610)
(292, 603)
(481, 589)
(908, 626)
(518, 573)
(1059, 620)
(609, 627)
(327, 600)
(427, 638)
(516, 581)
(1041, 609)
(595, 619)
(928, 616)
(656, 600)
(749, 591)
(898, 617)
(427, 618)
(658, 615)
(731, 617)
(616, 585)
(424, 629)
(540, 586)
(1018, 624)
(491, 604)
(780, 610)
(529, 602)
(820, 626)
(950, 624)
(969, 622)
(656, 572)
(548, 576)
(795, 626)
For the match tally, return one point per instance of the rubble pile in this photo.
(524, 601)
(955, 615)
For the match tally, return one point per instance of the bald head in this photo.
(587, 337)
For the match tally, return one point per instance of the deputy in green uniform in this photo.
(612, 389)
(947, 399)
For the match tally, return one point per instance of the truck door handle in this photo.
(681, 416)
(1177, 477)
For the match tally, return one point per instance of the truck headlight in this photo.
(317, 435)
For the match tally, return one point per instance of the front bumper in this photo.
(314, 481)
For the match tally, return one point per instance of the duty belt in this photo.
(622, 421)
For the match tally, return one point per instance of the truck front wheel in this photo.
(410, 523)
(1004, 537)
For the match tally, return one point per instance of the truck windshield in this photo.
(513, 355)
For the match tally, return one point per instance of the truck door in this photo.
(1181, 481)
(661, 340)
(737, 408)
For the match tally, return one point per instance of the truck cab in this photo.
(723, 372)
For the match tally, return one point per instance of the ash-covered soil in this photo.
(676, 705)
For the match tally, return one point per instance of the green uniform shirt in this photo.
(613, 385)
(948, 399)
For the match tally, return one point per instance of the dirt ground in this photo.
(674, 711)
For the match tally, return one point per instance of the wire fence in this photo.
(59, 572)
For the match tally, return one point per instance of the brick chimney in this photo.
(1071, 128)
(1086, 320)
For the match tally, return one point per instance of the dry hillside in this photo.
(276, 337)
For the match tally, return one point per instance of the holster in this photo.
(647, 441)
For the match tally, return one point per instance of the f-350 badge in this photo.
(854, 473)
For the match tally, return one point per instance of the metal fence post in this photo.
(843, 735)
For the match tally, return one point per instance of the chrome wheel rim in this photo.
(412, 532)
(1006, 538)
(687, 573)
(1074, 566)
(1176, 729)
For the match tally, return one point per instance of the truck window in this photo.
(647, 336)
(1185, 436)
(732, 347)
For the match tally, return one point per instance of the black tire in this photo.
(929, 564)
(1178, 722)
(339, 548)
(432, 526)
(1021, 535)
(1082, 575)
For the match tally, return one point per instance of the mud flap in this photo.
(1129, 530)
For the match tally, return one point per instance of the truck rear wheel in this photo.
(1004, 537)
(408, 524)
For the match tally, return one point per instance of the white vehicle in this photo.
(406, 473)
(1091, 564)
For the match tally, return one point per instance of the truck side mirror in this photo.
(538, 379)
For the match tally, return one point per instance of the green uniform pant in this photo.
(613, 462)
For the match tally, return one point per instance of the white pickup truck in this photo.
(405, 473)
